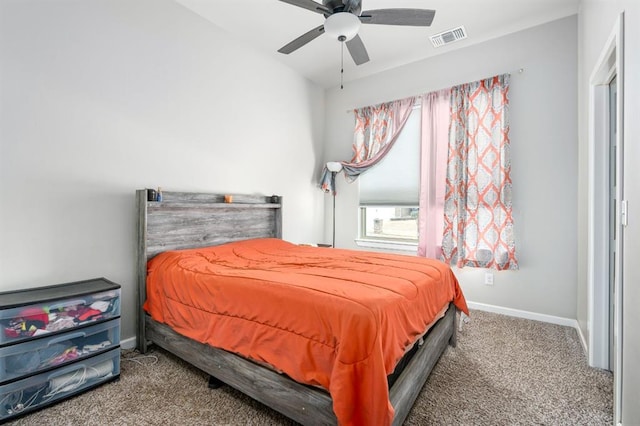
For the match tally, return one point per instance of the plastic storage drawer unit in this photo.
(37, 391)
(35, 312)
(51, 351)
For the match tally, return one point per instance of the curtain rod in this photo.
(519, 71)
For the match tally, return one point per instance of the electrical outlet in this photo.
(488, 278)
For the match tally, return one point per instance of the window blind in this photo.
(395, 180)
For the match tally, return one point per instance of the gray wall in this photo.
(104, 97)
(597, 19)
(543, 148)
(101, 98)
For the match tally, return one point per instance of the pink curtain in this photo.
(377, 128)
(433, 166)
(478, 220)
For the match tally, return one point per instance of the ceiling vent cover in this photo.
(449, 36)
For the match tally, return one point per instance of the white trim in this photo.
(598, 216)
(128, 343)
(609, 63)
(517, 313)
(618, 329)
(598, 225)
(388, 245)
(583, 339)
(568, 322)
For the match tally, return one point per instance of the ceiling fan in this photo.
(343, 19)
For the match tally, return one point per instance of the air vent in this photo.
(449, 36)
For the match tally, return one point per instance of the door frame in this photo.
(609, 64)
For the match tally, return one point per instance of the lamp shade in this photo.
(334, 166)
(342, 24)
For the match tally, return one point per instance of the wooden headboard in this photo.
(190, 220)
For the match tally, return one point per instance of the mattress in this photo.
(338, 319)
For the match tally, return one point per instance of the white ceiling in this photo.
(267, 25)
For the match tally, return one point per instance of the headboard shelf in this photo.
(155, 205)
(208, 198)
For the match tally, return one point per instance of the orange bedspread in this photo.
(340, 319)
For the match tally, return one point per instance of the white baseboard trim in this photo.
(583, 340)
(129, 343)
(568, 322)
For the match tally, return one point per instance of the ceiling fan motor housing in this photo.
(340, 5)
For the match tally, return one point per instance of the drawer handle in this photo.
(65, 337)
(66, 304)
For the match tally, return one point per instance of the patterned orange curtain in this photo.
(478, 228)
(376, 130)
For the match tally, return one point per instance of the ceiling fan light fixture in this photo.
(342, 24)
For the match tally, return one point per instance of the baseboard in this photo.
(568, 322)
(583, 340)
(129, 343)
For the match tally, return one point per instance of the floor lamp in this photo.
(334, 167)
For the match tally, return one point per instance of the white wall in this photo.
(101, 98)
(543, 148)
(597, 19)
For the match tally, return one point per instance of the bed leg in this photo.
(214, 383)
(453, 339)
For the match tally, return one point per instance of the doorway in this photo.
(607, 212)
(613, 217)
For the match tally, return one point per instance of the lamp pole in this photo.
(333, 177)
(334, 167)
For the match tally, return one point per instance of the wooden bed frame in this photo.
(189, 220)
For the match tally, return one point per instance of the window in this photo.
(451, 159)
(389, 223)
(389, 192)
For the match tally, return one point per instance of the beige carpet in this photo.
(504, 371)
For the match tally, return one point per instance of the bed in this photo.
(344, 324)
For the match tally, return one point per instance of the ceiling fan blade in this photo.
(309, 5)
(302, 40)
(410, 17)
(357, 50)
